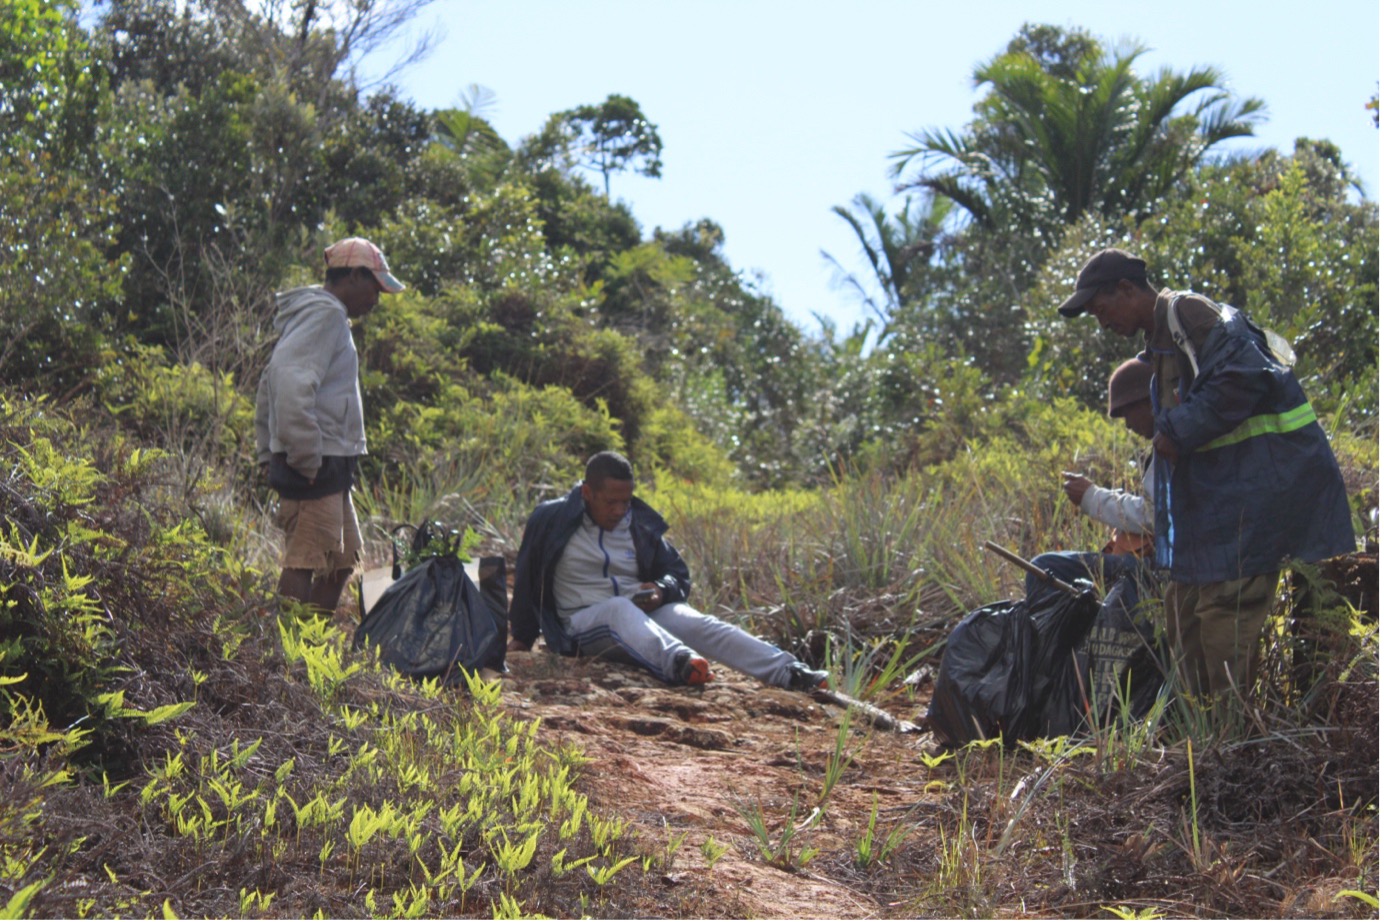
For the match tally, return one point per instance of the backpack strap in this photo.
(1180, 335)
(1278, 347)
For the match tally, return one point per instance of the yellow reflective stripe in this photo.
(1269, 423)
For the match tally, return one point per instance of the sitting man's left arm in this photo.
(669, 574)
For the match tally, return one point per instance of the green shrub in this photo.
(204, 417)
(488, 456)
(91, 555)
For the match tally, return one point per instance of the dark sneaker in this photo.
(695, 671)
(804, 678)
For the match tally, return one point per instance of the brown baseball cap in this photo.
(1129, 385)
(1105, 267)
(357, 252)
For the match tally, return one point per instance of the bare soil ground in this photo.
(683, 761)
(999, 835)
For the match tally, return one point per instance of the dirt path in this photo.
(693, 761)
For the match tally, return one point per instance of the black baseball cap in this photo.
(1105, 267)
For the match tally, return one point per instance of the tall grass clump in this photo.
(886, 552)
(749, 555)
(90, 519)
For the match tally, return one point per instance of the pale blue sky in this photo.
(771, 112)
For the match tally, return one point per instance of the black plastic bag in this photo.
(1049, 665)
(433, 621)
(1010, 670)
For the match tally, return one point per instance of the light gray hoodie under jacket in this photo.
(309, 403)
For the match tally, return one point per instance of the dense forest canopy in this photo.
(168, 165)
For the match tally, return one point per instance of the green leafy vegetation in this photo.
(170, 746)
(379, 786)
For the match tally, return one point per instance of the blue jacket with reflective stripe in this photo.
(1256, 482)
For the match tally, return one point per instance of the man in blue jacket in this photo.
(1245, 479)
(596, 575)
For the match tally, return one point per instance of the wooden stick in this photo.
(1039, 572)
(879, 717)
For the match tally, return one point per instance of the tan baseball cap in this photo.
(357, 252)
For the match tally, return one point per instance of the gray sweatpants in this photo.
(617, 628)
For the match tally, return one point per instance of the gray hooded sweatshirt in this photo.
(309, 405)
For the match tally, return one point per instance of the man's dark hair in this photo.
(337, 273)
(607, 465)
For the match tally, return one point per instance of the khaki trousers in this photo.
(1213, 630)
(321, 535)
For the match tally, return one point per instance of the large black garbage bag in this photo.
(1009, 670)
(434, 621)
(1050, 665)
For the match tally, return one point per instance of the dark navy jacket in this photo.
(1256, 482)
(547, 532)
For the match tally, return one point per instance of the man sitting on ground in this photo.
(597, 576)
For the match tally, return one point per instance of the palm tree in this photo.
(465, 132)
(1066, 131)
(896, 247)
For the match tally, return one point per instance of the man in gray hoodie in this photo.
(309, 424)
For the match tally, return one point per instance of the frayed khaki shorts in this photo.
(321, 535)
